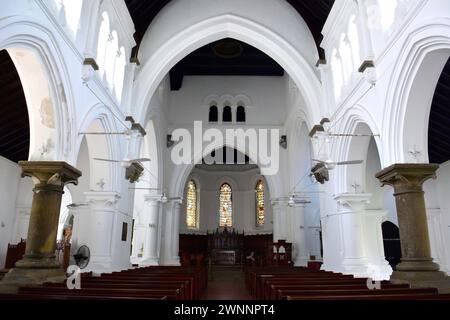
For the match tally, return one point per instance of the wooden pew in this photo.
(171, 294)
(283, 294)
(271, 293)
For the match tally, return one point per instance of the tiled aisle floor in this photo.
(226, 283)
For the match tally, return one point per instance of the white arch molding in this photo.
(407, 109)
(101, 114)
(39, 42)
(216, 28)
(357, 120)
(181, 173)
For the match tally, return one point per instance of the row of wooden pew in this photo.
(151, 283)
(265, 283)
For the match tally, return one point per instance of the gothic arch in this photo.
(411, 89)
(216, 28)
(37, 48)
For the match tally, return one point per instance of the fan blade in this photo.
(141, 160)
(343, 163)
(107, 160)
(320, 161)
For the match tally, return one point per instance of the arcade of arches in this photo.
(94, 95)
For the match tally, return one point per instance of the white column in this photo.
(170, 235)
(351, 208)
(362, 242)
(21, 223)
(138, 242)
(80, 213)
(279, 220)
(176, 232)
(379, 268)
(299, 234)
(437, 242)
(97, 230)
(134, 141)
(150, 255)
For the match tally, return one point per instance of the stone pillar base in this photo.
(20, 277)
(423, 279)
(413, 265)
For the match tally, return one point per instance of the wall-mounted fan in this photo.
(82, 257)
(126, 163)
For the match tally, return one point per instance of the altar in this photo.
(224, 257)
(226, 247)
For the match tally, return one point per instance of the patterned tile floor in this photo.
(226, 283)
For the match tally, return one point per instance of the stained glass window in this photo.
(260, 216)
(191, 205)
(225, 206)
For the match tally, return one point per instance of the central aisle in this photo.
(226, 283)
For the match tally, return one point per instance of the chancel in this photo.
(225, 150)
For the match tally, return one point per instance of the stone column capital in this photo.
(407, 177)
(353, 201)
(56, 173)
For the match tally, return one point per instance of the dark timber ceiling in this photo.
(235, 59)
(314, 12)
(439, 126)
(14, 124)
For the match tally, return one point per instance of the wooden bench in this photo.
(283, 294)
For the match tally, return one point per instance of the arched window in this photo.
(346, 57)
(69, 13)
(354, 41)
(213, 114)
(336, 68)
(103, 37)
(225, 206)
(226, 116)
(191, 205)
(111, 54)
(260, 208)
(240, 114)
(119, 73)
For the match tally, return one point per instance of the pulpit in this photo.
(282, 253)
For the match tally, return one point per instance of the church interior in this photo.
(225, 150)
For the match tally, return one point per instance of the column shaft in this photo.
(39, 263)
(407, 180)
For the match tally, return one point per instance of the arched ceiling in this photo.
(314, 12)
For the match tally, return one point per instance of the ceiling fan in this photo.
(330, 165)
(164, 198)
(135, 127)
(321, 169)
(126, 163)
(293, 200)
